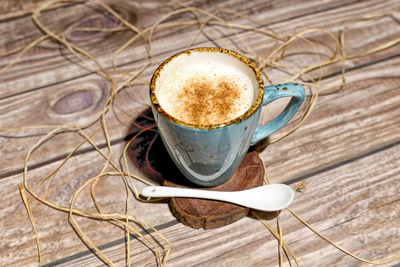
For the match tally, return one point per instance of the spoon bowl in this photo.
(271, 197)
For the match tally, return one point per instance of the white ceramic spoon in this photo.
(269, 197)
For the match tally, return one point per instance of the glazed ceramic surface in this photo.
(208, 155)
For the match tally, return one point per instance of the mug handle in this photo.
(272, 93)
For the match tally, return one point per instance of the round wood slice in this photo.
(148, 153)
(208, 214)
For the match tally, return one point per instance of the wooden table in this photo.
(347, 150)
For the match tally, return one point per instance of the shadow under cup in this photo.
(207, 154)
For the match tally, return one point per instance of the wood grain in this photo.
(10, 10)
(54, 56)
(57, 238)
(360, 119)
(278, 158)
(359, 212)
(128, 100)
(347, 150)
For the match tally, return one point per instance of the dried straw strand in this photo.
(339, 247)
(29, 211)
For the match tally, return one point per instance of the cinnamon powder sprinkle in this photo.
(205, 101)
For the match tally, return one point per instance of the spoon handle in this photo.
(165, 191)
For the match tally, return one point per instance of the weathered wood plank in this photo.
(346, 126)
(359, 212)
(13, 9)
(336, 118)
(57, 238)
(273, 158)
(363, 117)
(46, 64)
(85, 96)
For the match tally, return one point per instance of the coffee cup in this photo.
(207, 103)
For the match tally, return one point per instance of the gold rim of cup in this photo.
(242, 58)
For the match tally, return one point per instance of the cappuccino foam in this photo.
(206, 88)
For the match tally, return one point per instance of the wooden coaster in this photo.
(148, 153)
(208, 214)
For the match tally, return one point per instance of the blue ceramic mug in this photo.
(208, 154)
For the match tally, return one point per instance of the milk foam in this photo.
(206, 88)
